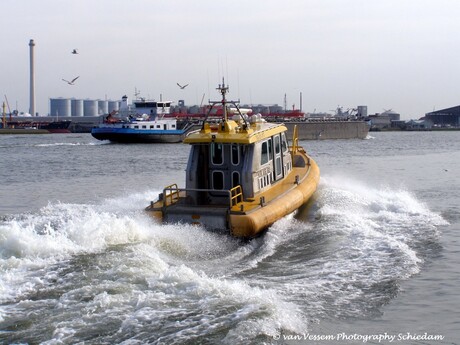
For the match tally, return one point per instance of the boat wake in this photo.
(68, 144)
(108, 273)
(363, 243)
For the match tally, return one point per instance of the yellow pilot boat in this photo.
(241, 175)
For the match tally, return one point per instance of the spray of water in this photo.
(343, 257)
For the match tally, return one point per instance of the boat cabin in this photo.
(140, 107)
(255, 158)
(152, 108)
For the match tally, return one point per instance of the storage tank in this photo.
(102, 107)
(362, 111)
(77, 107)
(90, 107)
(60, 107)
(114, 106)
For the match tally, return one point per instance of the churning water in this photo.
(374, 254)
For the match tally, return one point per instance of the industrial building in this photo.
(449, 117)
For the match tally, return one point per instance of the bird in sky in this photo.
(74, 51)
(72, 81)
(182, 87)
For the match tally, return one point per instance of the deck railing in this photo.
(173, 196)
(172, 193)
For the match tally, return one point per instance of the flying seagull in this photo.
(72, 81)
(74, 51)
(182, 87)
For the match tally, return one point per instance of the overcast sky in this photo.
(387, 54)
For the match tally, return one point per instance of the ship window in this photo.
(136, 126)
(151, 126)
(217, 151)
(173, 126)
(144, 126)
(266, 151)
(158, 126)
(284, 142)
(235, 178)
(235, 154)
(218, 180)
(264, 156)
(277, 145)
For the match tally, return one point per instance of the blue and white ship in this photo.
(143, 122)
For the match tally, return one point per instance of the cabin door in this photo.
(225, 165)
(278, 158)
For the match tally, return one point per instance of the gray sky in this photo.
(387, 54)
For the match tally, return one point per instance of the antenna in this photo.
(202, 99)
(136, 92)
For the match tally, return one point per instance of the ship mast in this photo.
(223, 90)
(4, 115)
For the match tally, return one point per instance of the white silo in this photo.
(102, 107)
(89, 107)
(60, 107)
(114, 106)
(77, 107)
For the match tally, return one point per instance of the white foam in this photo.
(374, 234)
(67, 144)
(209, 281)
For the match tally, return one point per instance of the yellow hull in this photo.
(250, 224)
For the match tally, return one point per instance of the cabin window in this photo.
(277, 145)
(235, 154)
(278, 167)
(284, 142)
(173, 126)
(151, 126)
(158, 126)
(217, 154)
(278, 158)
(235, 178)
(144, 126)
(218, 180)
(136, 126)
(266, 152)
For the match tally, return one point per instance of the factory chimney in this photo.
(301, 102)
(32, 79)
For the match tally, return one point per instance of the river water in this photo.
(373, 258)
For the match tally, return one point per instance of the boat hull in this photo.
(250, 224)
(131, 136)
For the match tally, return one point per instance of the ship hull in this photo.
(57, 126)
(120, 136)
(249, 225)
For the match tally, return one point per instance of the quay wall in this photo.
(321, 130)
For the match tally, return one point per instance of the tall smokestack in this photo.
(301, 102)
(32, 79)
